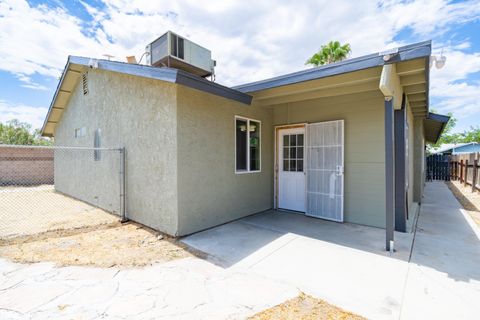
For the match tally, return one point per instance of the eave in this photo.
(77, 65)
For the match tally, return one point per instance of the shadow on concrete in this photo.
(257, 236)
(445, 240)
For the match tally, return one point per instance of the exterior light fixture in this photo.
(439, 61)
(388, 54)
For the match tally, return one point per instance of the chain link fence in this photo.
(46, 189)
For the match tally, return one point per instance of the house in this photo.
(342, 142)
(457, 148)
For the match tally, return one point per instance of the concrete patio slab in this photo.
(344, 264)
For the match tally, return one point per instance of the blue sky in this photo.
(250, 40)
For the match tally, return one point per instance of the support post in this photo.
(123, 201)
(400, 118)
(389, 175)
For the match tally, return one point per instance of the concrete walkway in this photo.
(265, 259)
(444, 272)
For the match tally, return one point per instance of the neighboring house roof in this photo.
(458, 148)
(76, 65)
(434, 125)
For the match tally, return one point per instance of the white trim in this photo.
(248, 144)
(275, 157)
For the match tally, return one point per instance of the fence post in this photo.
(475, 170)
(466, 173)
(123, 210)
(456, 169)
(461, 171)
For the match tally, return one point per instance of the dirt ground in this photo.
(33, 210)
(468, 199)
(125, 246)
(305, 307)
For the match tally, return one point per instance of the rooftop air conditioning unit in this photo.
(171, 50)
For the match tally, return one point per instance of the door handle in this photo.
(339, 170)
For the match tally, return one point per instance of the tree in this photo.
(329, 53)
(471, 135)
(16, 132)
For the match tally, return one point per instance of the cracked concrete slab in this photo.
(175, 290)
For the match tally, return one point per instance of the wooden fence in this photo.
(465, 168)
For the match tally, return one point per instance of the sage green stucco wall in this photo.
(364, 148)
(139, 114)
(209, 191)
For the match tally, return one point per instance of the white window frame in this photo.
(248, 144)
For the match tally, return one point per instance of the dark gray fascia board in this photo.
(409, 52)
(192, 81)
(167, 74)
(441, 119)
(438, 117)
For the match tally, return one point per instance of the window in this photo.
(96, 144)
(293, 152)
(247, 145)
(80, 132)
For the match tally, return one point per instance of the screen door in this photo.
(324, 170)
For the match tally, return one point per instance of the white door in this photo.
(324, 168)
(291, 176)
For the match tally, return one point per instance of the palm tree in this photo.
(329, 53)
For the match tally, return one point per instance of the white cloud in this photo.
(449, 86)
(250, 40)
(33, 115)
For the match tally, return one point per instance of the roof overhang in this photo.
(77, 65)
(434, 124)
(358, 75)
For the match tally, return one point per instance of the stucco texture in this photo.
(209, 191)
(139, 114)
(364, 192)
